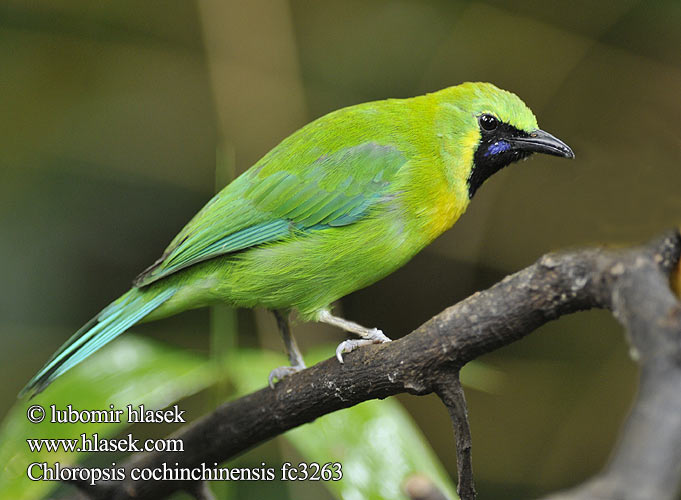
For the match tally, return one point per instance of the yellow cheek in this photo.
(449, 205)
(438, 192)
(469, 143)
(448, 202)
(458, 157)
(451, 197)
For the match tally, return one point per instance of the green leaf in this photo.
(132, 370)
(379, 447)
(377, 442)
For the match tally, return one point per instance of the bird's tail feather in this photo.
(113, 320)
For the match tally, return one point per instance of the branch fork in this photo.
(633, 283)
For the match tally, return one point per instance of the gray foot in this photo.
(373, 336)
(281, 372)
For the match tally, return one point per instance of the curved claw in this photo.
(375, 336)
(281, 372)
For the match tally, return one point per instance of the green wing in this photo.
(265, 205)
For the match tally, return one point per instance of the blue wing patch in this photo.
(264, 205)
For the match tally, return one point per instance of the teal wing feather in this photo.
(115, 319)
(267, 204)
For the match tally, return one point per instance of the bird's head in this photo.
(492, 128)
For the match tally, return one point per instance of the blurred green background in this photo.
(111, 114)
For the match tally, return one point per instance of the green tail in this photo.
(114, 319)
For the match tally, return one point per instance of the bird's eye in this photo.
(488, 122)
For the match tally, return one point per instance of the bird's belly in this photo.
(307, 272)
(311, 271)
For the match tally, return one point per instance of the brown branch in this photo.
(451, 393)
(647, 461)
(202, 491)
(630, 282)
(420, 487)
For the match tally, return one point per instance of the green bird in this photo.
(336, 206)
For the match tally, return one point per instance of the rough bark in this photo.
(633, 283)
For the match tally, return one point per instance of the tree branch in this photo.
(451, 393)
(633, 283)
(647, 461)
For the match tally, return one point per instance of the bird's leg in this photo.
(369, 335)
(294, 356)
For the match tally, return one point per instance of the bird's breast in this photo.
(432, 204)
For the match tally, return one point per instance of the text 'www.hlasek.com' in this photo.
(94, 442)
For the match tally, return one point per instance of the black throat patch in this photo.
(494, 152)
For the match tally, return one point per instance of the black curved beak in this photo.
(542, 142)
